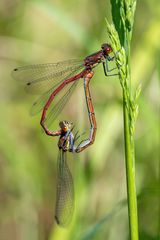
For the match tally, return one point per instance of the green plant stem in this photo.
(120, 35)
(129, 152)
(130, 175)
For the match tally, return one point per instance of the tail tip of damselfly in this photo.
(16, 69)
(29, 83)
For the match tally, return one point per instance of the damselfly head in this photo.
(106, 48)
(65, 125)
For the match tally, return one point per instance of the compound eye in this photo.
(103, 46)
(61, 124)
(106, 48)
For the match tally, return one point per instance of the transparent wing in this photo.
(65, 192)
(60, 104)
(39, 78)
(39, 104)
(57, 105)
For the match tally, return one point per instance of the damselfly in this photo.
(64, 208)
(50, 79)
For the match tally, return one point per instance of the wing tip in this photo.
(57, 220)
(62, 224)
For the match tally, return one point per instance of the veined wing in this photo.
(65, 192)
(39, 104)
(39, 78)
(66, 93)
(60, 104)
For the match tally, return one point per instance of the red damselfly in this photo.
(50, 79)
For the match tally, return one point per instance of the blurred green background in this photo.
(50, 31)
